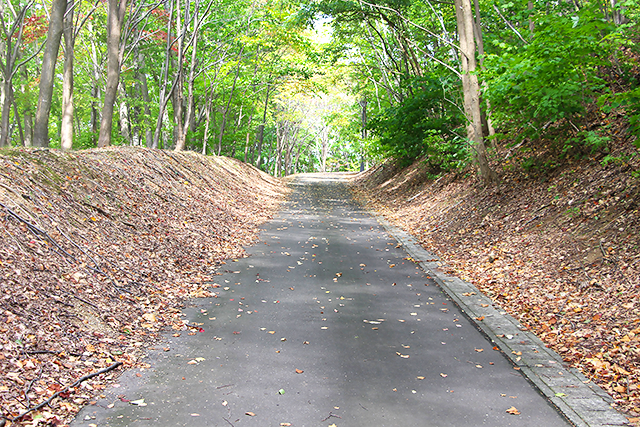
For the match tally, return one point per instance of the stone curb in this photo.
(581, 401)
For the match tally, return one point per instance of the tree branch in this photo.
(58, 393)
(509, 25)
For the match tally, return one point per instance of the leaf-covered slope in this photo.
(98, 250)
(559, 251)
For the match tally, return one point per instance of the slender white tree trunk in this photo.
(66, 127)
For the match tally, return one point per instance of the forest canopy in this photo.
(294, 86)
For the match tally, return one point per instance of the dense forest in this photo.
(327, 85)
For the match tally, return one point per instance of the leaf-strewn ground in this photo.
(558, 249)
(98, 249)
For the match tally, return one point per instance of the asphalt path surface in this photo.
(328, 322)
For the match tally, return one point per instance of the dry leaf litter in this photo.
(99, 249)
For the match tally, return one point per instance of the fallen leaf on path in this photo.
(285, 424)
(443, 375)
(299, 371)
(513, 411)
(251, 414)
(420, 378)
(139, 402)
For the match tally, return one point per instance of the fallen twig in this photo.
(58, 393)
(26, 392)
(37, 231)
(331, 414)
(84, 301)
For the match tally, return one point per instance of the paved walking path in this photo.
(328, 322)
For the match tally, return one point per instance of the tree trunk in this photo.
(295, 165)
(7, 100)
(95, 85)
(16, 118)
(279, 142)
(471, 89)
(178, 94)
(28, 127)
(117, 9)
(246, 143)
(188, 120)
(260, 133)
(324, 139)
(54, 34)
(66, 127)
(363, 123)
(164, 96)
(125, 121)
(617, 12)
(486, 118)
(176, 101)
(226, 110)
(144, 91)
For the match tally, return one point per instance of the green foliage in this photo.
(533, 164)
(552, 78)
(630, 100)
(85, 140)
(424, 124)
(585, 142)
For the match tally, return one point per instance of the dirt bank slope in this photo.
(98, 249)
(559, 250)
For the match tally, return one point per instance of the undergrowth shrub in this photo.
(553, 77)
(424, 125)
